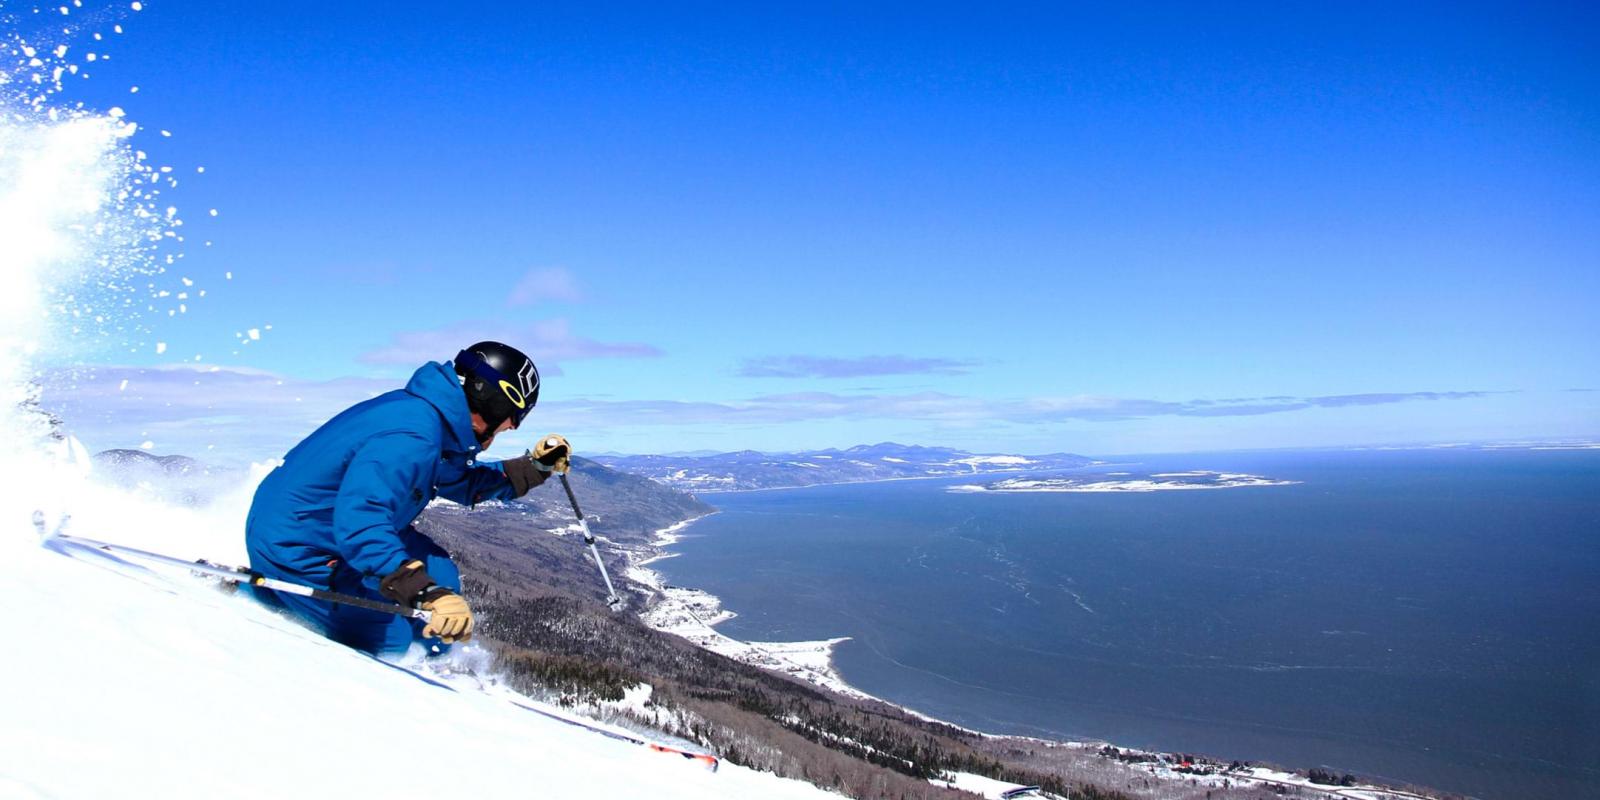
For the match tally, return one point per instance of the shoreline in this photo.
(692, 614)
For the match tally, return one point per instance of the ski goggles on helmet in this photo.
(504, 396)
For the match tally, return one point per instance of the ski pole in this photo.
(612, 600)
(233, 574)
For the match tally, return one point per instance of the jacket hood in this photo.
(439, 385)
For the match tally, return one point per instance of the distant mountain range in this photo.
(749, 469)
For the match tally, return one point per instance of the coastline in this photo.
(693, 614)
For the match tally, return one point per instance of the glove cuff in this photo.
(407, 585)
(524, 473)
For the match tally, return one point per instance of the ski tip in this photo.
(710, 762)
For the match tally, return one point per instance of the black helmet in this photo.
(501, 383)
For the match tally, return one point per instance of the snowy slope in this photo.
(137, 683)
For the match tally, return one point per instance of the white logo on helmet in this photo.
(528, 378)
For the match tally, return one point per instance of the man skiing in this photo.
(338, 512)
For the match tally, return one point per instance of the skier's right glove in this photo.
(412, 587)
(452, 618)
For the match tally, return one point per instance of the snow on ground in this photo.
(1214, 776)
(157, 679)
(978, 785)
(635, 699)
(1008, 460)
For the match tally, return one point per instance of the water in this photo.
(1426, 616)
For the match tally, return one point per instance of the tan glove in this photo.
(411, 586)
(452, 619)
(553, 453)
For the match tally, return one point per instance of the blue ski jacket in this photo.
(346, 492)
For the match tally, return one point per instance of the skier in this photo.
(338, 512)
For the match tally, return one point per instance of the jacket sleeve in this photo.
(386, 479)
(480, 483)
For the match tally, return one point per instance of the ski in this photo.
(706, 760)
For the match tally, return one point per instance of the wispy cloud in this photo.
(946, 408)
(545, 284)
(765, 410)
(547, 342)
(865, 366)
(1342, 400)
(1102, 409)
(251, 415)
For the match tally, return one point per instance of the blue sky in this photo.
(1090, 229)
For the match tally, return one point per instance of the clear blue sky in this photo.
(1097, 229)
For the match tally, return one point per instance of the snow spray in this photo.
(88, 246)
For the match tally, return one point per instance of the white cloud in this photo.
(865, 366)
(548, 342)
(545, 284)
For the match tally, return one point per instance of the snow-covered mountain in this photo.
(749, 469)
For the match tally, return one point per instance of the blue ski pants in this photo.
(371, 631)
